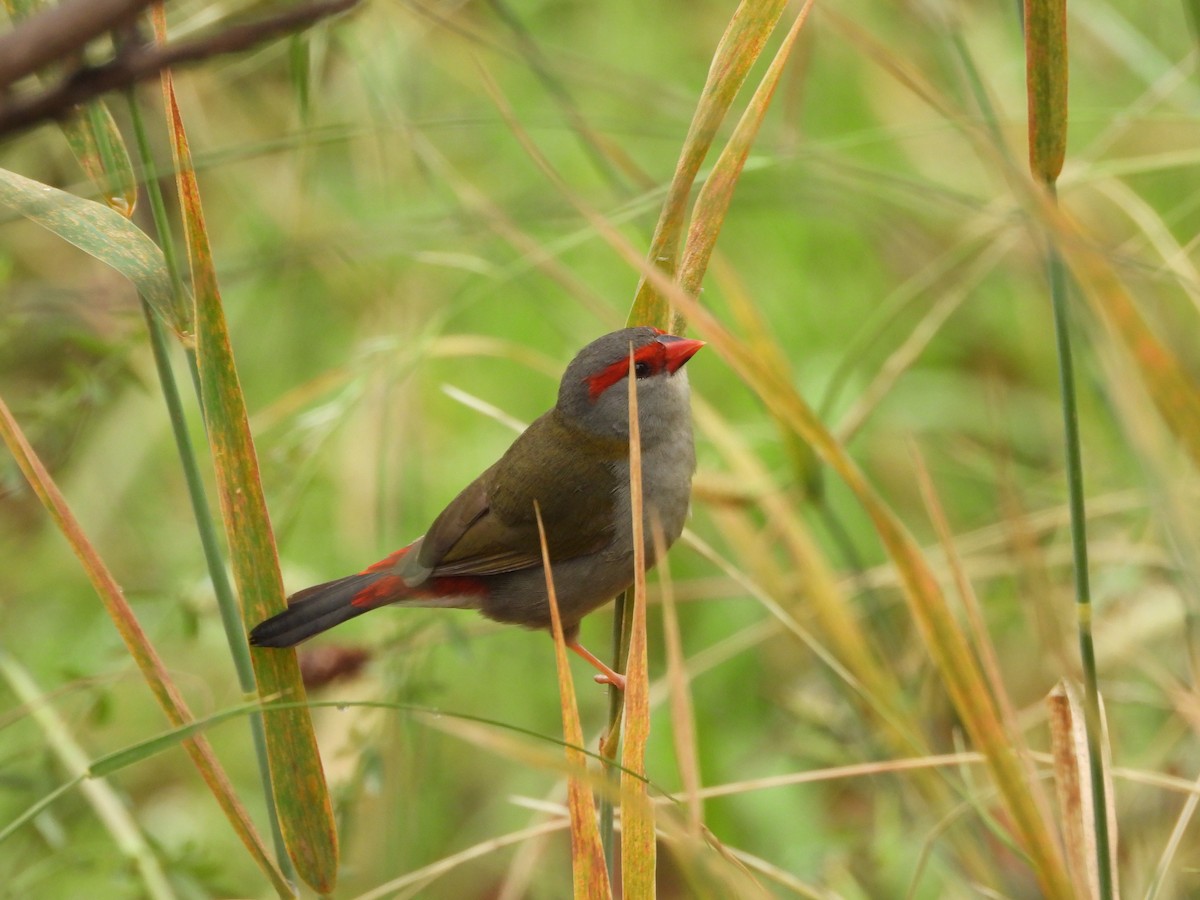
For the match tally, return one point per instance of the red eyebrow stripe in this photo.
(654, 354)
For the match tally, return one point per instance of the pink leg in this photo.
(607, 675)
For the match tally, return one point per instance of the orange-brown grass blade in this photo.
(738, 50)
(638, 846)
(1175, 393)
(1046, 83)
(589, 873)
(1072, 774)
(297, 778)
(140, 649)
(753, 323)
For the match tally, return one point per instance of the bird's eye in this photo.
(641, 369)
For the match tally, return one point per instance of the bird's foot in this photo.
(616, 679)
(607, 674)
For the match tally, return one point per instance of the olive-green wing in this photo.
(491, 528)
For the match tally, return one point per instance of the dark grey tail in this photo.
(312, 611)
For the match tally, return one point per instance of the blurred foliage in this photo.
(353, 179)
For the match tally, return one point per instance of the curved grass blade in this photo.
(103, 233)
(959, 670)
(301, 796)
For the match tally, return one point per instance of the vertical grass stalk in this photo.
(1079, 554)
(1046, 75)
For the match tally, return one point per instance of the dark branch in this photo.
(134, 64)
(58, 32)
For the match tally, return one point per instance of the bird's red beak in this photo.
(679, 350)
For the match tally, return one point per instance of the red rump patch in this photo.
(392, 589)
(387, 589)
(653, 354)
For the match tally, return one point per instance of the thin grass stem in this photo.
(1079, 550)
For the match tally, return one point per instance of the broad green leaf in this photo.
(103, 233)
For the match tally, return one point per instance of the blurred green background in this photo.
(362, 190)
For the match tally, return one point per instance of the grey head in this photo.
(595, 387)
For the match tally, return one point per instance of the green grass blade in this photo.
(1046, 89)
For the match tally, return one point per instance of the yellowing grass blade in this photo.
(589, 873)
(740, 47)
(297, 778)
(717, 192)
(638, 846)
(140, 649)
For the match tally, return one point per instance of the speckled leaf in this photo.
(297, 778)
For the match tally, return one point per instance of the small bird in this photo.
(483, 552)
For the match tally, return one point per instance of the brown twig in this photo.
(133, 64)
(57, 32)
